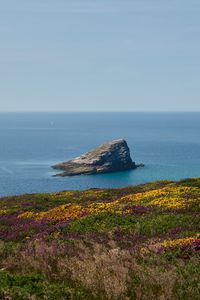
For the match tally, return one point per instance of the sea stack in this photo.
(112, 156)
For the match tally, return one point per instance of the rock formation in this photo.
(109, 157)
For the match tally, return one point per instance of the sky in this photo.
(99, 55)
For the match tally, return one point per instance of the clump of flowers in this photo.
(27, 215)
(182, 244)
(3, 211)
(136, 209)
(101, 207)
(62, 212)
(71, 211)
(179, 242)
(169, 197)
(171, 202)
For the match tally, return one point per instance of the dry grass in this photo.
(108, 272)
(104, 271)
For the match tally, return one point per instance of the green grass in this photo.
(23, 287)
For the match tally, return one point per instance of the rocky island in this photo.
(109, 157)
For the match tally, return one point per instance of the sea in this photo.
(30, 143)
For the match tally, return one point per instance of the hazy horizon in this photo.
(108, 111)
(121, 111)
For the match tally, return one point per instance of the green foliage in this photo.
(188, 285)
(157, 277)
(191, 182)
(150, 225)
(104, 221)
(161, 223)
(23, 287)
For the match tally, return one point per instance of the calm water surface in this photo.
(167, 143)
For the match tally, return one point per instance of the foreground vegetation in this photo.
(138, 242)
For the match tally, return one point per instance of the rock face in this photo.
(109, 157)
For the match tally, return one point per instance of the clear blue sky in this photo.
(99, 55)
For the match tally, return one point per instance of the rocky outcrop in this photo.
(109, 157)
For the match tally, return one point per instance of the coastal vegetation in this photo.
(138, 242)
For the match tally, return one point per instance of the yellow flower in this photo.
(62, 212)
(3, 211)
(169, 197)
(27, 215)
(179, 242)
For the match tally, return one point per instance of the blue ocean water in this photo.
(167, 143)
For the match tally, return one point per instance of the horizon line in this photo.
(110, 111)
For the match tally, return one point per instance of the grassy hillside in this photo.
(138, 242)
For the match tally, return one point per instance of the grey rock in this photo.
(109, 157)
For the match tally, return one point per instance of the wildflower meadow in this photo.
(138, 242)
